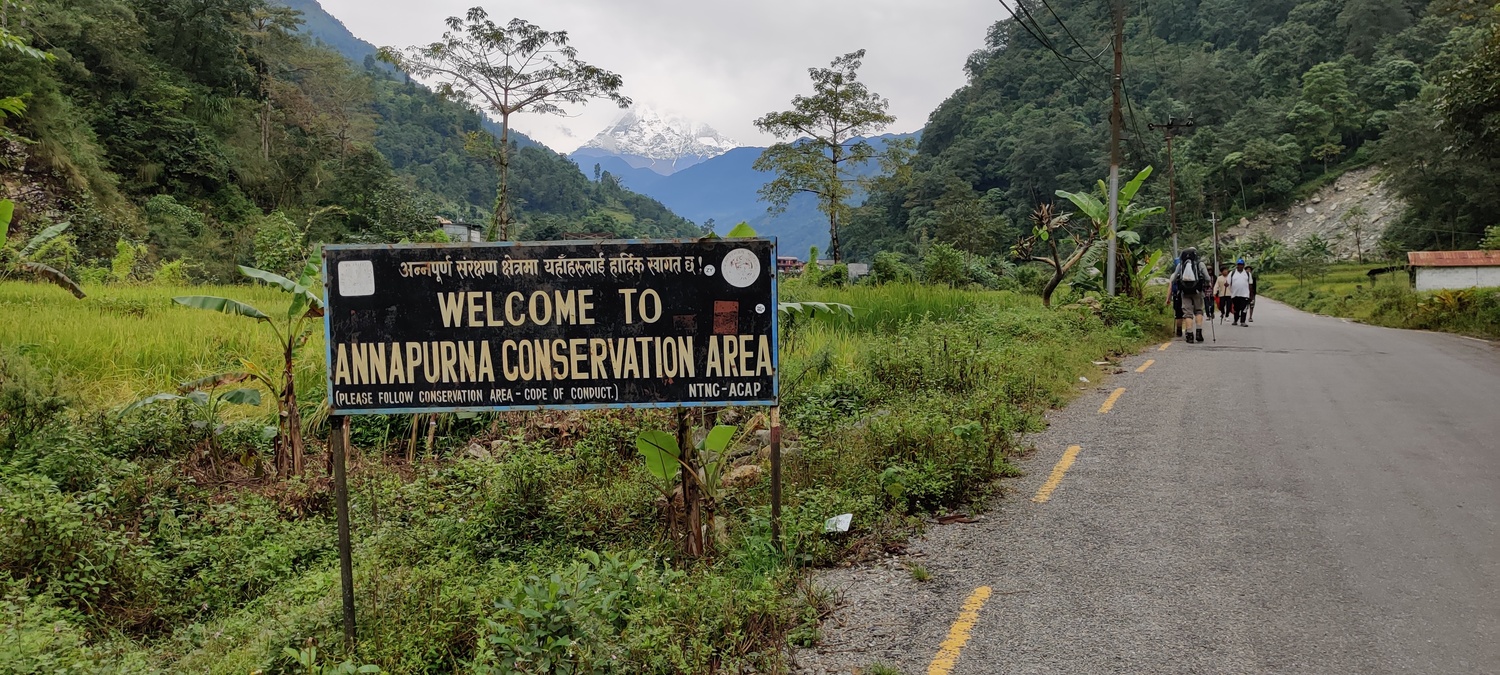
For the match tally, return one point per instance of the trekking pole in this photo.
(1213, 330)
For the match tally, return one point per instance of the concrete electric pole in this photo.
(1169, 127)
(1116, 121)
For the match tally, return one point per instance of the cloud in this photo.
(721, 63)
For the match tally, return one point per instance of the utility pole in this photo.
(1215, 220)
(1116, 121)
(1170, 126)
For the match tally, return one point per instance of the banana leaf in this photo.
(217, 304)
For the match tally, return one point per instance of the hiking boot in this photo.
(1200, 334)
(1190, 337)
(1179, 330)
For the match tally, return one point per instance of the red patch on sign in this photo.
(726, 317)
(685, 323)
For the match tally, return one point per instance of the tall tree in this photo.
(825, 133)
(507, 70)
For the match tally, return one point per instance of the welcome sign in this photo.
(510, 326)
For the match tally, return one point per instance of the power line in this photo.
(1047, 44)
(1135, 126)
(1071, 36)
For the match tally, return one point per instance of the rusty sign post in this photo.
(484, 327)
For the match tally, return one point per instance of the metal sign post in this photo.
(339, 447)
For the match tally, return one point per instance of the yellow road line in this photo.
(1145, 365)
(1164, 346)
(1109, 403)
(1058, 471)
(958, 634)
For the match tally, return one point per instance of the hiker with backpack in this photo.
(1174, 298)
(1191, 279)
(1240, 282)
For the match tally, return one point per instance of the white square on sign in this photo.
(356, 278)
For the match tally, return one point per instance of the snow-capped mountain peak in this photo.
(664, 143)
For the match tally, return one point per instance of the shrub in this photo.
(981, 274)
(29, 400)
(279, 245)
(126, 265)
(172, 273)
(888, 268)
(835, 276)
(944, 264)
(50, 539)
(60, 253)
(37, 636)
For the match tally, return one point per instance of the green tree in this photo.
(1309, 259)
(824, 142)
(1326, 86)
(1470, 103)
(1356, 220)
(1491, 241)
(507, 70)
(1366, 22)
(1056, 242)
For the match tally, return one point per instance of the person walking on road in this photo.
(1240, 281)
(1192, 280)
(1251, 270)
(1221, 292)
(1174, 298)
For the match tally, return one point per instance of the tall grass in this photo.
(884, 308)
(126, 341)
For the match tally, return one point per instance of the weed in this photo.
(882, 669)
(918, 572)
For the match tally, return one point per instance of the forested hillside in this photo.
(216, 132)
(1285, 93)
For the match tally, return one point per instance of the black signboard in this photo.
(508, 326)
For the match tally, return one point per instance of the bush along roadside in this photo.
(147, 541)
(1346, 291)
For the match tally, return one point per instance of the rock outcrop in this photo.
(1323, 214)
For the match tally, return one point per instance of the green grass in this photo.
(1346, 291)
(124, 342)
(911, 407)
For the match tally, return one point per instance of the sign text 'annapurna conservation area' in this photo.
(435, 328)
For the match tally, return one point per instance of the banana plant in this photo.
(20, 260)
(292, 331)
(208, 400)
(1096, 209)
(665, 461)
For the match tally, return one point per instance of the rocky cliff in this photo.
(1327, 214)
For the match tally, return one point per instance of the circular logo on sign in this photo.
(709, 270)
(760, 308)
(741, 268)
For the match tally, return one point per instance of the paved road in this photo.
(1306, 495)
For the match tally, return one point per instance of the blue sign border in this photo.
(775, 399)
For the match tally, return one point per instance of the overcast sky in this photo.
(718, 62)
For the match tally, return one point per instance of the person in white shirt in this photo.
(1239, 289)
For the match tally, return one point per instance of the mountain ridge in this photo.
(725, 189)
(666, 144)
